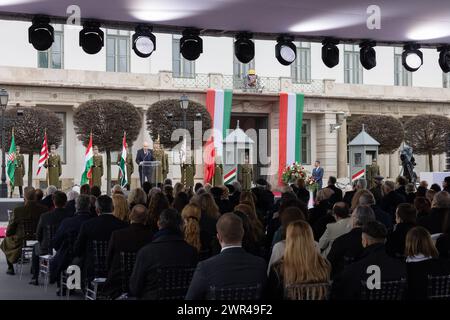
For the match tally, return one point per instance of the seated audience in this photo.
(28, 214)
(233, 267)
(168, 192)
(222, 202)
(336, 229)
(366, 198)
(120, 205)
(198, 186)
(391, 199)
(158, 203)
(347, 248)
(443, 241)
(167, 182)
(405, 218)
(337, 195)
(168, 248)
(430, 195)
(440, 209)
(191, 215)
(321, 205)
(296, 269)
(377, 190)
(264, 198)
(85, 189)
(95, 191)
(422, 261)
(446, 184)
(348, 196)
(423, 206)
(410, 193)
(146, 186)
(208, 220)
(435, 187)
(401, 186)
(70, 205)
(300, 190)
(48, 200)
(253, 229)
(129, 240)
(348, 284)
(180, 201)
(38, 195)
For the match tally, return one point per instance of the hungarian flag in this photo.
(123, 163)
(88, 163)
(44, 154)
(11, 162)
(209, 154)
(290, 131)
(218, 104)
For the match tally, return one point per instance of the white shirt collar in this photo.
(229, 247)
(417, 258)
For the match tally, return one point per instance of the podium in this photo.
(148, 171)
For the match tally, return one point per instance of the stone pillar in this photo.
(342, 151)
(394, 165)
(326, 145)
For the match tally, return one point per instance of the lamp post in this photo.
(184, 103)
(3, 103)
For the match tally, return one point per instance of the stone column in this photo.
(326, 151)
(342, 151)
(394, 165)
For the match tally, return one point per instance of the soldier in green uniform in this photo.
(160, 155)
(217, 179)
(19, 172)
(97, 168)
(246, 174)
(371, 172)
(130, 167)
(187, 174)
(53, 164)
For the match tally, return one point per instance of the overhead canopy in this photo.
(401, 20)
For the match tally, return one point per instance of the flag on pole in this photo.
(11, 162)
(209, 154)
(44, 154)
(88, 163)
(123, 177)
(290, 131)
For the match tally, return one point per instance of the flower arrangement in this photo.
(311, 184)
(294, 172)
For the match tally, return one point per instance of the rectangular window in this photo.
(306, 141)
(240, 70)
(301, 68)
(181, 67)
(62, 147)
(53, 57)
(117, 52)
(402, 77)
(353, 71)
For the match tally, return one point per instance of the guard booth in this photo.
(362, 149)
(236, 146)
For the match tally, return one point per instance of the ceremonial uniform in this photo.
(246, 176)
(187, 174)
(53, 164)
(217, 179)
(371, 172)
(97, 171)
(163, 168)
(19, 173)
(129, 165)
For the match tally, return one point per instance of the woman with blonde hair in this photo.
(120, 205)
(137, 196)
(301, 264)
(177, 189)
(191, 215)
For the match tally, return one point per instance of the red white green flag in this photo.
(122, 164)
(290, 131)
(88, 163)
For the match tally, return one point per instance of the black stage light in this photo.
(41, 33)
(92, 37)
(244, 47)
(330, 52)
(412, 57)
(444, 58)
(368, 55)
(285, 50)
(191, 45)
(144, 41)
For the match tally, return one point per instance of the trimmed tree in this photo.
(387, 130)
(107, 120)
(165, 116)
(427, 134)
(29, 131)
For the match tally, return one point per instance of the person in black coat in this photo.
(70, 205)
(443, 242)
(66, 234)
(440, 209)
(144, 154)
(337, 195)
(48, 224)
(368, 199)
(348, 247)
(406, 220)
(233, 267)
(129, 240)
(321, 206)
(265, 199)
(99, 229)
(301, 191)
(48, 199)
(391, 199)
(347, 285)
(168, 248)
(421, 262)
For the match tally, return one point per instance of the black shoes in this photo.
(10, 271)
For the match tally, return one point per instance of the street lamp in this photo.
(3, 103)
(184, 104)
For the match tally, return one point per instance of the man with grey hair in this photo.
(391, 199)
(117, 189)
(440, 209)
(368, 199)
(48, 200)
(348, 247)
(70, 205)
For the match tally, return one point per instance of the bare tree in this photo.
(165, 116)
(107, 120)
(29, 128)
(427, 134)
(387, 130)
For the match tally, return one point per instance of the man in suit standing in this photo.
(168, 248)
(233, 267)
(145, 172)
(317, 173)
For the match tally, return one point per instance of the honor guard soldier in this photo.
(246, 174)
(161, 156)
(53, 165)
(19, 172)
(97, 168)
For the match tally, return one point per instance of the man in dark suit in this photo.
(337, 196)
(348, 247)
(70, 204)
(129, 240)
(144, 154)
(233, 267)
(434, 222)
(391, 199)
(168, 248)
(377, 189)
(446, 184)
(406, 220)
(265, 199)
(368, 199)
(47, 226)
(28, 214)
(66, 234)
(347, 285)
(317, 173)
(98, 229)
